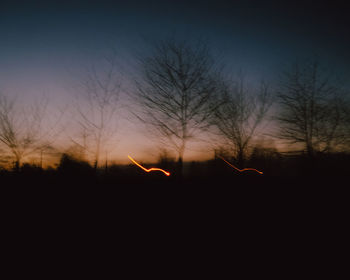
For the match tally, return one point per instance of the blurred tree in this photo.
(345, 123)
(97, 106)
(22, 129)
(175, 91)
(312, 109)
(239, 116)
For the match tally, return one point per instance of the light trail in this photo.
(150, 169)
(240, 170)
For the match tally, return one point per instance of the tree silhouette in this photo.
(311, 109)
(97, 108)
(22, 129)
(240, 115)
(175, 92)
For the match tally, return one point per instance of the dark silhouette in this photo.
(96, 107)
(240, 114)
(312, 111)
(175, 92)
(76, 170)
(22, 131)
(166, 160)
(214, 173)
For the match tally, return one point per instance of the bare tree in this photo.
(240, 115)
(311, 109)
(345, 112)
(175, 91)
(22, 129)
(97, 108)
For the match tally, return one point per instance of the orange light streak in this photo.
(150, 169)
(241, 170)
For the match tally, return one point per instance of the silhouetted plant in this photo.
(240, 114)
(175, 91)
(72, 167)
(97, 105)
(311, 111)
(21, 128)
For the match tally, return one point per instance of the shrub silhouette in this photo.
(74, 168)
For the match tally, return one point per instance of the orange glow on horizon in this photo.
(150, 169)
(241, 170)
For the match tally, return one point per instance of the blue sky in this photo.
(43, 44)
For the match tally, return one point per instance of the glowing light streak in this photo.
(150, 169)
(241, 170)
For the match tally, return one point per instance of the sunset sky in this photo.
(45, 45)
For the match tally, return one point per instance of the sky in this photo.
(44, 45)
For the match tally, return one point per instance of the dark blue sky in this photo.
(249, 34)
(43, 42)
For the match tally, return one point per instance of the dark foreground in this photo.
(213, 173)
(211, 208)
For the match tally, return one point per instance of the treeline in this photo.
(215, 172)
(181, 94)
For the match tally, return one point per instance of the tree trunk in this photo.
(310, 150)
(180, 167)
(95, 164)
(240, 158)
(17, 164)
